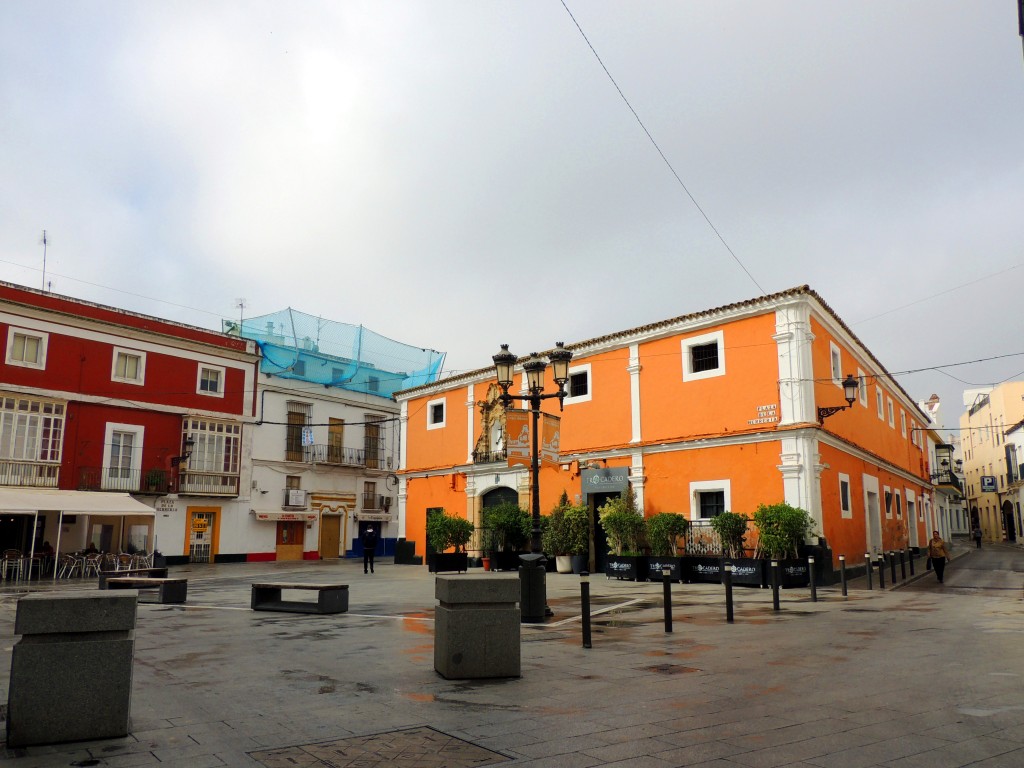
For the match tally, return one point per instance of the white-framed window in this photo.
(911, 503)
(880, 403)
(899, 504)
(887, 500)
(709, 498)
(128, 366)
(578, 386)
(845, 503)
(30, 430)
(26, 348)
(903, 422)
(122, 456)
(216, 446)
(210, 380)
(836, 358)
(862, 379)
(703, 356)
(436, 413)
(891, 411)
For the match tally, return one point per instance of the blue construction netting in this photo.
(299, 346)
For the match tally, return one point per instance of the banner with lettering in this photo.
(551, 433)
(517, 431)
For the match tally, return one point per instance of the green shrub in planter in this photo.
(448, 532)
(509, 526)
(781, 529)
(663, 532)
(552, 532)
(623, 524)
(731, 528)
(577, 530)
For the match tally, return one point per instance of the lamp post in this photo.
(850, 388)
(534, 367)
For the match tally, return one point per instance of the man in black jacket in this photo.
(369, 539)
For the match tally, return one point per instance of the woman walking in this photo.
(938, 554)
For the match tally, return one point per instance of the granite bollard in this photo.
(71, 671)
(476, 627)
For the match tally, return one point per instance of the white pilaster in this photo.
(637, 479)
(796, 370)
(634, 391)
(470, 440)
(801, 470)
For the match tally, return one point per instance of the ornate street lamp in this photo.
(850, 389)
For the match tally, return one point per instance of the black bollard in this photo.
(810, 574)
(910, 556)
(585, 605)
(775, 584)
(903, 567)
(842, 572)
(892, 566)
(881, 571)
(666, 577)
(867, 563)
(727, 580)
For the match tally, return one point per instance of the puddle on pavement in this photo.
(669, 669)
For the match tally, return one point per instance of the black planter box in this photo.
(655, 564)
(505, 561)
(579, 563)
(626, 567)
(702, 569)
(794, 573)
(748, 572)
(440, 562)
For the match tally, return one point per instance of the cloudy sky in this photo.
(460, 174)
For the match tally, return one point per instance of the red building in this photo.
(101, 409)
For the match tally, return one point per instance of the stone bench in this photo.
(154, 573)
(330, 598)
(168, 590)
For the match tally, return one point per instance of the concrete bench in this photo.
(168, 590)
(153, 573)
(330, 598)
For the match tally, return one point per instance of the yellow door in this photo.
(330, 536)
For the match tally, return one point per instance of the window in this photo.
(299, 368)
(122, 463)
(26, 348)
(899, 505)
(211, 380)
(837, 364)
(703, 356)
(435, 414)
(862, 379)
(296, 437)
(578, 386)
(373, 383)
(30, 431)
(903, 422)
(888, 502)
(880, 404)
(370, 499)
(128, 366)
(373, 440)
(891, 411)
(216, 445)
(709, 498)
(844, 496)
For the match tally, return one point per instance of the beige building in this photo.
(991, 412)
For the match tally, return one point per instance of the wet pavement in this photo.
(924, 674)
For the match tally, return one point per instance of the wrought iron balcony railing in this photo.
(29, 474)
(335, 454)
(490, 457)
(948, 479)
(155, 481)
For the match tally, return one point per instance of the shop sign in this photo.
(613, 480)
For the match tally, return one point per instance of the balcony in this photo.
(208, 484)
(335, 455)
(29, 474)
(947, 480)
(490, 457)
(155, 481)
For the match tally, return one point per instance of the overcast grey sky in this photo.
(460, 174)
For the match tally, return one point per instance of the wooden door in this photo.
(290, 534)
(335, 440)
(330, 536)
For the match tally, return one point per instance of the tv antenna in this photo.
(44, 242)
(241, 304)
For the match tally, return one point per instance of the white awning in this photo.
(29, 501)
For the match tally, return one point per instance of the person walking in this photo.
(976, 533)
(938, 554)
(369, 539)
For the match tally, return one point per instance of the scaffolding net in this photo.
(299, 346)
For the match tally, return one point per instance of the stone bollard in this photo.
(71, 672)
(476, 627)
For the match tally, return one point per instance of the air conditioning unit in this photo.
(385, 502)
(296, 497)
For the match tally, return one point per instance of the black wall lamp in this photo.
(189, 444)
(850, 388)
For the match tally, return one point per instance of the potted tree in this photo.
(663, 533)
(623, 526)
(553, 536)
(446, 532)
(731, 528)
(781, 531)
(577, 536)
(509, 528)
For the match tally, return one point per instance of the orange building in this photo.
(708, 412)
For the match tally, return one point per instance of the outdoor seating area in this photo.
(17, 566)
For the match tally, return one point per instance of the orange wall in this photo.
(444, 446)
(425, 493)
(671, 407)
(603, 421)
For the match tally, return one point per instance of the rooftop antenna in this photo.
(44, 241)
(240, 303)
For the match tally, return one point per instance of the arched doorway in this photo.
(1009, 524)
(499, 495)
